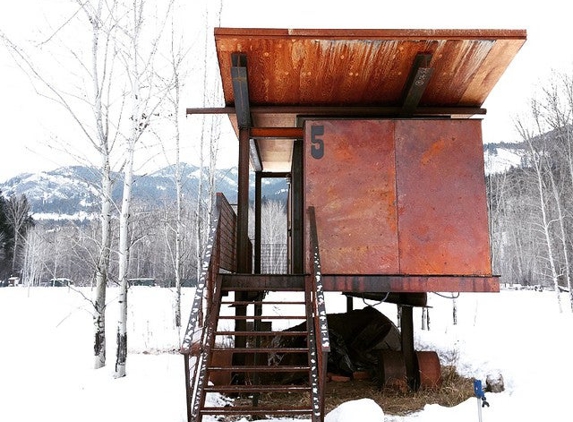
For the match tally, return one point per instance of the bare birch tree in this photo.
(92, 109)
(35, 253)
(177, 59)
(558, 114)
(210, 132)
(99, 15)
(539, 158)
(17, 210)
(145, 100)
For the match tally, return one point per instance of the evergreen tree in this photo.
(6, 241)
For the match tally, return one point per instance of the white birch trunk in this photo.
(179, 224)
(102, 266)
(545, 220)
(569, 142)
(564, 243)
(103, 147)
(123, 255)
(176, 58)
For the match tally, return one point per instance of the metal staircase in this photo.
(234, 349)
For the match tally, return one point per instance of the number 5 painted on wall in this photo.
(317, 147)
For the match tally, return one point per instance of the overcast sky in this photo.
(27, 123)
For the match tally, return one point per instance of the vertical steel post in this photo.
(297, 222)
(410, 359)
(242, 233)
(258, 207)
(243, 203)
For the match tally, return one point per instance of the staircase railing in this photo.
(319, 337)
(219, 254)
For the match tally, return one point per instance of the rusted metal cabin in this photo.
(374, 130)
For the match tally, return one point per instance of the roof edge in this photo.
(374, 34)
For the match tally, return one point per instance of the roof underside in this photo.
(356, 73)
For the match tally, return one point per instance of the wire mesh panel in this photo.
(274, 258)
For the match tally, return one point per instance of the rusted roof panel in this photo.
(365, 67)
(357, 73)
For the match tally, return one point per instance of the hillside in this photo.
(500, 157)
(72, 192)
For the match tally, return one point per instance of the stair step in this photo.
(262, 333)
(274, 368)
(262, 282)
(257, 388)
(261, 302)
(261, 317)
(240, 288)
(255, 411)
(238, 350)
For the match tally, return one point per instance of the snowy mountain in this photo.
(500, 157)
(72, 192)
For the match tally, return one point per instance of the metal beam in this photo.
(345, 111)
(417, 83)
(409, 283)
(258, 213)
(297, 210)
(410, 299)
(241, 89)
(410, 359)
(277, 132)
(243, 203)
(255, 155)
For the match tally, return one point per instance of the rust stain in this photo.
(369, 67)
(435, 149)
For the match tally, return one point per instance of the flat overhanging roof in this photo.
(272, 77)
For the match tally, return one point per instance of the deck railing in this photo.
(219, 254)
(319, 323)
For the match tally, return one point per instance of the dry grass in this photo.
(454, 390)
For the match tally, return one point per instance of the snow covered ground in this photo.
(46, 365)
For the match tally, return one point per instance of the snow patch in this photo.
(365, 410)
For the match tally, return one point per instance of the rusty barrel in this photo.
(392, 370)
(430, 369)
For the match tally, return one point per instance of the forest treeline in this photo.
(68, 249)
(15, 222)
(531, 211)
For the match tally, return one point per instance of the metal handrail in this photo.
(320, 325)
(202, 285)
(208, 286)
